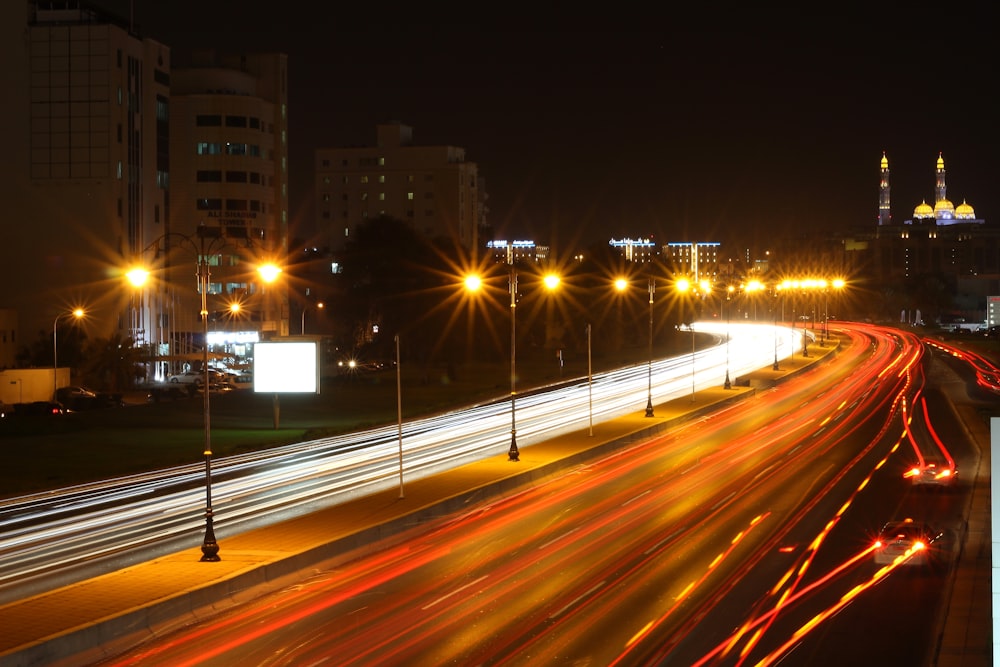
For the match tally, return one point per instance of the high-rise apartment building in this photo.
(433, 188)
(83, 180)
(229, 177)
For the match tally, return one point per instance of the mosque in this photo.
(944, 212)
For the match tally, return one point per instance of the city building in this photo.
(84, 175)
(116, 161)
(503, 251)
(640, 250)
(228, 205)
(699, 260)
(433, 188)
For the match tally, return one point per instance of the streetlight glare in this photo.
(621, 284)
(137, 276)
(683, 285)
(473, 283)
(551, 281)
(269, 272)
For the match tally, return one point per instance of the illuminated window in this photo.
(409, 196)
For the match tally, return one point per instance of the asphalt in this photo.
(96, 619)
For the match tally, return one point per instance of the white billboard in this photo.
(286, 367)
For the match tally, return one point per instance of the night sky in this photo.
(683, 126)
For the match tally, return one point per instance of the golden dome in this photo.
(923, 210)
(964, 211)
(944, 208)
(885, 161)
(940, 162)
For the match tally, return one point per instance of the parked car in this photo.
(195, 377)
(39, 409)
(77, 399)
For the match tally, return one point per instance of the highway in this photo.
(741, 538)
(55, 538)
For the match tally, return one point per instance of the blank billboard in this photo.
(286, 367)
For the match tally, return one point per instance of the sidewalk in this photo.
(94, 619)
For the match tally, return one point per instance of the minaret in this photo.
(940, 191)
(884, 214)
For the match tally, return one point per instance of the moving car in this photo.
(932, 475)
(915, 541)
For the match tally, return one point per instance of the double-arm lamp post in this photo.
(473, 283)
(77, 313)
(207, 242)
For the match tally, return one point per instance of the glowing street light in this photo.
(729, 295)
(210, 240)
(473, 283)
(649, 368)
(319, 306)
(77, 313)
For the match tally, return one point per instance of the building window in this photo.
(209, 204)
(209, 176)
(208, 120)
(255, 177)
(236, 121)
(236, 177)
(381, 178)
(254, 123)
(409, 196)
(381, 162)
(345, 180)
(381, 196)
(364, 196)
(364, 179)
(236, 204)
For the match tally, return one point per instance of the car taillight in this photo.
(918, 546)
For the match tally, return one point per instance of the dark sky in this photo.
(689, 125)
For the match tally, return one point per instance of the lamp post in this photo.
(729, 292)
(473, 283)
(777, 290)
(649, 369)
(513, 454)
(210, 241)
(302, 329)
(590, 384)
(77, 313)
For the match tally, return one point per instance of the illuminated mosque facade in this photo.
(944, 212)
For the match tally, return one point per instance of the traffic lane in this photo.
(904, 611)
(531, 577)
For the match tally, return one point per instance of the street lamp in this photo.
(777, 290)
(729, 294)
(684, 286)
(649, 369)
(472, 284)
(210, 241)
(302, 329)
(77, 313)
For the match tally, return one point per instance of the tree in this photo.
(112, 364)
